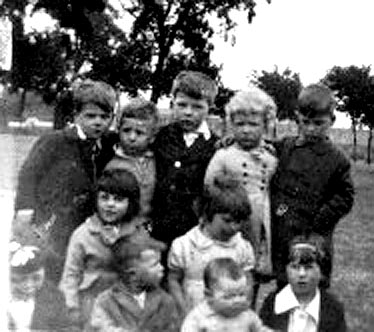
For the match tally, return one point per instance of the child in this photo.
(88, 267)
(251, 161)
(56, 183)
(35, 304)
(137, 124)
(312, 188)
(302, 305)
(182, 152)
(226, 206)
(136, 302)
(226, 306)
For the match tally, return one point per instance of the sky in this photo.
(308, 36)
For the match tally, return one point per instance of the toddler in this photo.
(301, 305)
(226, 206)
(136, 302)
(88, 267)
(226, 306)
(252, 162)
(35, 304)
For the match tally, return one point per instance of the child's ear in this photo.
(333, 118)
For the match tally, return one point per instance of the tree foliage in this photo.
(284, 87)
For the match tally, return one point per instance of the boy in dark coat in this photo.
(56, 182)
(302, 305)
(312, 188)
(182, 152)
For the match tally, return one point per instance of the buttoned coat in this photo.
(311, 191)
(331, 315)
(57, 181)
(180, 174)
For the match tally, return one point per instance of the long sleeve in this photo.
(216, 166)
(34, 168)
(73, 271)
(339, 203)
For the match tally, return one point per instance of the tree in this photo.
(352, 86)
(165, 36)
(283, 87)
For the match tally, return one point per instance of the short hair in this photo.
(195, 85)
(221, 267)
(307, 249)
(138, 108)
(226, 195)
(128, 250)
(253, 100)
(123, 183)
(95, 92)
(316, 99)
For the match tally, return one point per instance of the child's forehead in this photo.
(248, 112)
(19, 277)
(137, 123)
(226, 283)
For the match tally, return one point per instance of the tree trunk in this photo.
(370, 139)
(21, 105)
(354, 132)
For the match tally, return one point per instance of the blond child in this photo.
(226, 306)
(225, 208)
(251, 161)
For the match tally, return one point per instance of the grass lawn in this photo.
(353, 276)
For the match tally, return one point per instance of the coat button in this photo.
(177, 164)
(244, 164)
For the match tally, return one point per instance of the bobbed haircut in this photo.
(316, 99)
(252, 100)
(225, 195)
(96, 92)
(122, 183)
(138, 108)
(195, 85)
(221, 268)
(127, 251)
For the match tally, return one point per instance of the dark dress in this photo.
(331, 315)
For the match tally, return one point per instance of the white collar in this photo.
(81, 134)
(203, 129)
(286, 300)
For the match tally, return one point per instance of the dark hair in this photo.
(195, 85)
(226, 195)
(316, 99)
(128, 250)
(307, 249)
(123, 183)
(218, 268)
(138, 108)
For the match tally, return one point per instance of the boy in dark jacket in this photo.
(302, 305)
(182, 152)
(312, 188)
(56, 182)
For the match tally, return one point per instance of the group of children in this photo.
(119, 214)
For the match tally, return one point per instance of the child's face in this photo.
(93, 120)
(149, 269)
(223, 226)
(304, 278)
(25, 286)
(110, 207)
(190, 112)
(316, 127)
(136, 135)
(248, 129)
(230, 297)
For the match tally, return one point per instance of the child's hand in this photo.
(75, 316)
